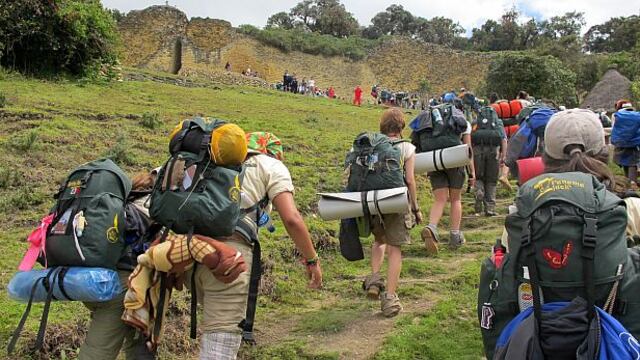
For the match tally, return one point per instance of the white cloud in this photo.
(469, 13)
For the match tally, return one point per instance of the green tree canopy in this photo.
(541, 76)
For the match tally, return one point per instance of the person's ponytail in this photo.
(582, 162)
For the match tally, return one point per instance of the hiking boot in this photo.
(430, 238)
(373, 284)
(456, 240)
(478, 207)
(390, 304)
(490, 213)
(505, 182)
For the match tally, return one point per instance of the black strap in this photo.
(365, 210)
(25, 315)
(435, 161)
(589, 236)
(530, 254)
(254, 282)
(61, 275)
(194, 292)
(377, 205)
(45, 312)
(441, 151)
(161, 300)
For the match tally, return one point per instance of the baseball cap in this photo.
(573, 127)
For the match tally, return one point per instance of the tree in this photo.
(305, 13)
(75, 36)
(395, 20)
(617, 34)
(558, 27)
(334, 19)
(439, 30)
(543, 76)
(280, 20)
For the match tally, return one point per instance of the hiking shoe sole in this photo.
(430, 240)
(373, 293)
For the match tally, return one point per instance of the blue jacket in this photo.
(626, 129)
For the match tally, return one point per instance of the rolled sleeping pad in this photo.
(529, 168)
(70, 284)
(334, 206)
(447, 158)
(511, 130)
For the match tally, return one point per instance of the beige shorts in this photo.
(395, 231)
(224, 305)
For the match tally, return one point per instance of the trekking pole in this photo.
(467, 169)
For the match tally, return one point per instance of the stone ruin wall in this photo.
(149, 39)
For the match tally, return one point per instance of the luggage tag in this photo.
(488, 313)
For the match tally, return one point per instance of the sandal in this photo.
(390, 304)
(430, 238)
(373, 284)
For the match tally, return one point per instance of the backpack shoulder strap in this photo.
(254, 281)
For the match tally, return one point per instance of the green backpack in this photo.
(192, 194)
(437, 128)
(89, 224)
(489, 129)
(567, 239)
(374, 163)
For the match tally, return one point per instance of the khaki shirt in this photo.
(264, 175)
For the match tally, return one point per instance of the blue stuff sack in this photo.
(69, 284)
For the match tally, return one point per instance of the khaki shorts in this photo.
(224, 305)
(450, 178)
(395, 231)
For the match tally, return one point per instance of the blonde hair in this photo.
(582, 162)
(392, 121)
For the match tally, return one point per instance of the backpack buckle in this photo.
(590, 231)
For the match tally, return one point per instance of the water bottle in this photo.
(265, 221)
(437, 116)
(498, 254)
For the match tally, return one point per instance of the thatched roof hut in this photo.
(612, 87)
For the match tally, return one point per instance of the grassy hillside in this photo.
(48, 128)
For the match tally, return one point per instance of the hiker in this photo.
(523, 97)
(574, 147)
(331, 93)
(489, 150)
(266, 181)
(625, 136)
(504, 169)
(107, 334)
(357, 96)
(311, 87)
(391, 231)
(452, 129)
(228, 66)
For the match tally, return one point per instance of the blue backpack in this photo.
(613, 343)
(532, 130)
(626, 129)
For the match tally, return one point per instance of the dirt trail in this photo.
(361, 338)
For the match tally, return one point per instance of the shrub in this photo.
(150, 120)
(49, 37)
(541, 76)
(353, 47)
(24, 142)
(120, 151)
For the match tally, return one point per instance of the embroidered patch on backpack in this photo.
(556, 259)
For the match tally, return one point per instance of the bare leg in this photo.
(456, 208)
(395, 266)
(377, 256)
(437, 209)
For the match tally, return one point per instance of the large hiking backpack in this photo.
(567, 239)
(438, 128)
(192, 192)
(489, 129)
(626, 129)
(375, 163)
(529, 138)
(89, 223)
(507, 111)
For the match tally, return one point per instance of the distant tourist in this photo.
(228, 66)
(331, 93)
(357, 96)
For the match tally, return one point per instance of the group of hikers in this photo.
(195, 222)
(290, 83)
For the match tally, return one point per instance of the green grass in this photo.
(448, 331)
(79, 122)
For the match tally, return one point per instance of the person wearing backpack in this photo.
(574, 151)
(229, 308)
(107, 334)
(625, 136)
(390, 231)
(441, 127)
(489, 149)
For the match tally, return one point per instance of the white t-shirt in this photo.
(407, 150)
(264, 175)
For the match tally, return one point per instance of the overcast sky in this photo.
(469, 13)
